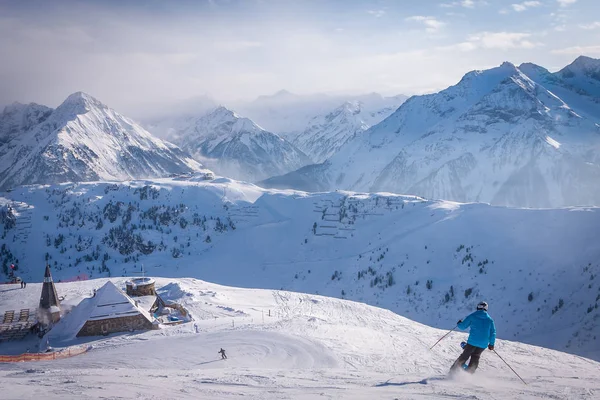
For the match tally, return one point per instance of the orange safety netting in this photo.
(70, 352)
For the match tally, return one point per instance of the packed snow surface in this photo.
(283, 345)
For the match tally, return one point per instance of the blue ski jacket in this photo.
(483, 330)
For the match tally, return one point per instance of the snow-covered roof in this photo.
(112, 302)
(145, 302)
(109, 302)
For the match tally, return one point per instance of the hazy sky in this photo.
(131, 53)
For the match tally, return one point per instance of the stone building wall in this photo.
(112, 325)
(146, 289)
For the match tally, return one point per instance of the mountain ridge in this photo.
(497, 136)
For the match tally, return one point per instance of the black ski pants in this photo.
(469, 351)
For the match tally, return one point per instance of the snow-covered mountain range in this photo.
(81, 140)
(430, 261)
(289, 114)
(236, 147)
(518, 136)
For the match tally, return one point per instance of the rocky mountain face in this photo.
(517, 136)
(81, 140)
(238, 148)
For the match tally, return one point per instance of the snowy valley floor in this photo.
(310, 347)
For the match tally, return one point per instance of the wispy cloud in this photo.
(579, 50)
(565, 3)
(494, 40)
(519, 7)
(463, 3)
(431, 23)
(503, 40)
(591, 26)
(377, 13)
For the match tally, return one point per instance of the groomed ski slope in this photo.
(310, 347)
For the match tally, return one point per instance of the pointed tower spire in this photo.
(49, 303)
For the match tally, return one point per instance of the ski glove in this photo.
(491, 346)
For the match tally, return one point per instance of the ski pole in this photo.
(510, 367)
(451, 330)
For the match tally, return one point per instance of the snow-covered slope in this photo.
(497, 136)
(283, 345)
(326, 134)
(427, 260)
(236, 147)
(84, 140)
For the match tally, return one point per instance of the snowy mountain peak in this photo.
(18, 118)
(85, 140)
(80, 103)
(327, 133)
(489, 77)
(224, 118)
(352, 107)
(19, 108)
(281, 95)
(586, 64)
(14, 107)
(236, 147)
(528, 67)
(583, 76)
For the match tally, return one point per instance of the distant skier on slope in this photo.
(223, 356)
(481, 335)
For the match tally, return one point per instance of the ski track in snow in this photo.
(309, 347)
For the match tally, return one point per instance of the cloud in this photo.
(578, 50)
(493, 40)
(519, 7)
(591, 26)
(463, 3)
(502, 40)
(565, 3)
(431, 23)
(377, 13)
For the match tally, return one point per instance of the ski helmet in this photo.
(482, 306)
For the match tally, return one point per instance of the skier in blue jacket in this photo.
(482, 334)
